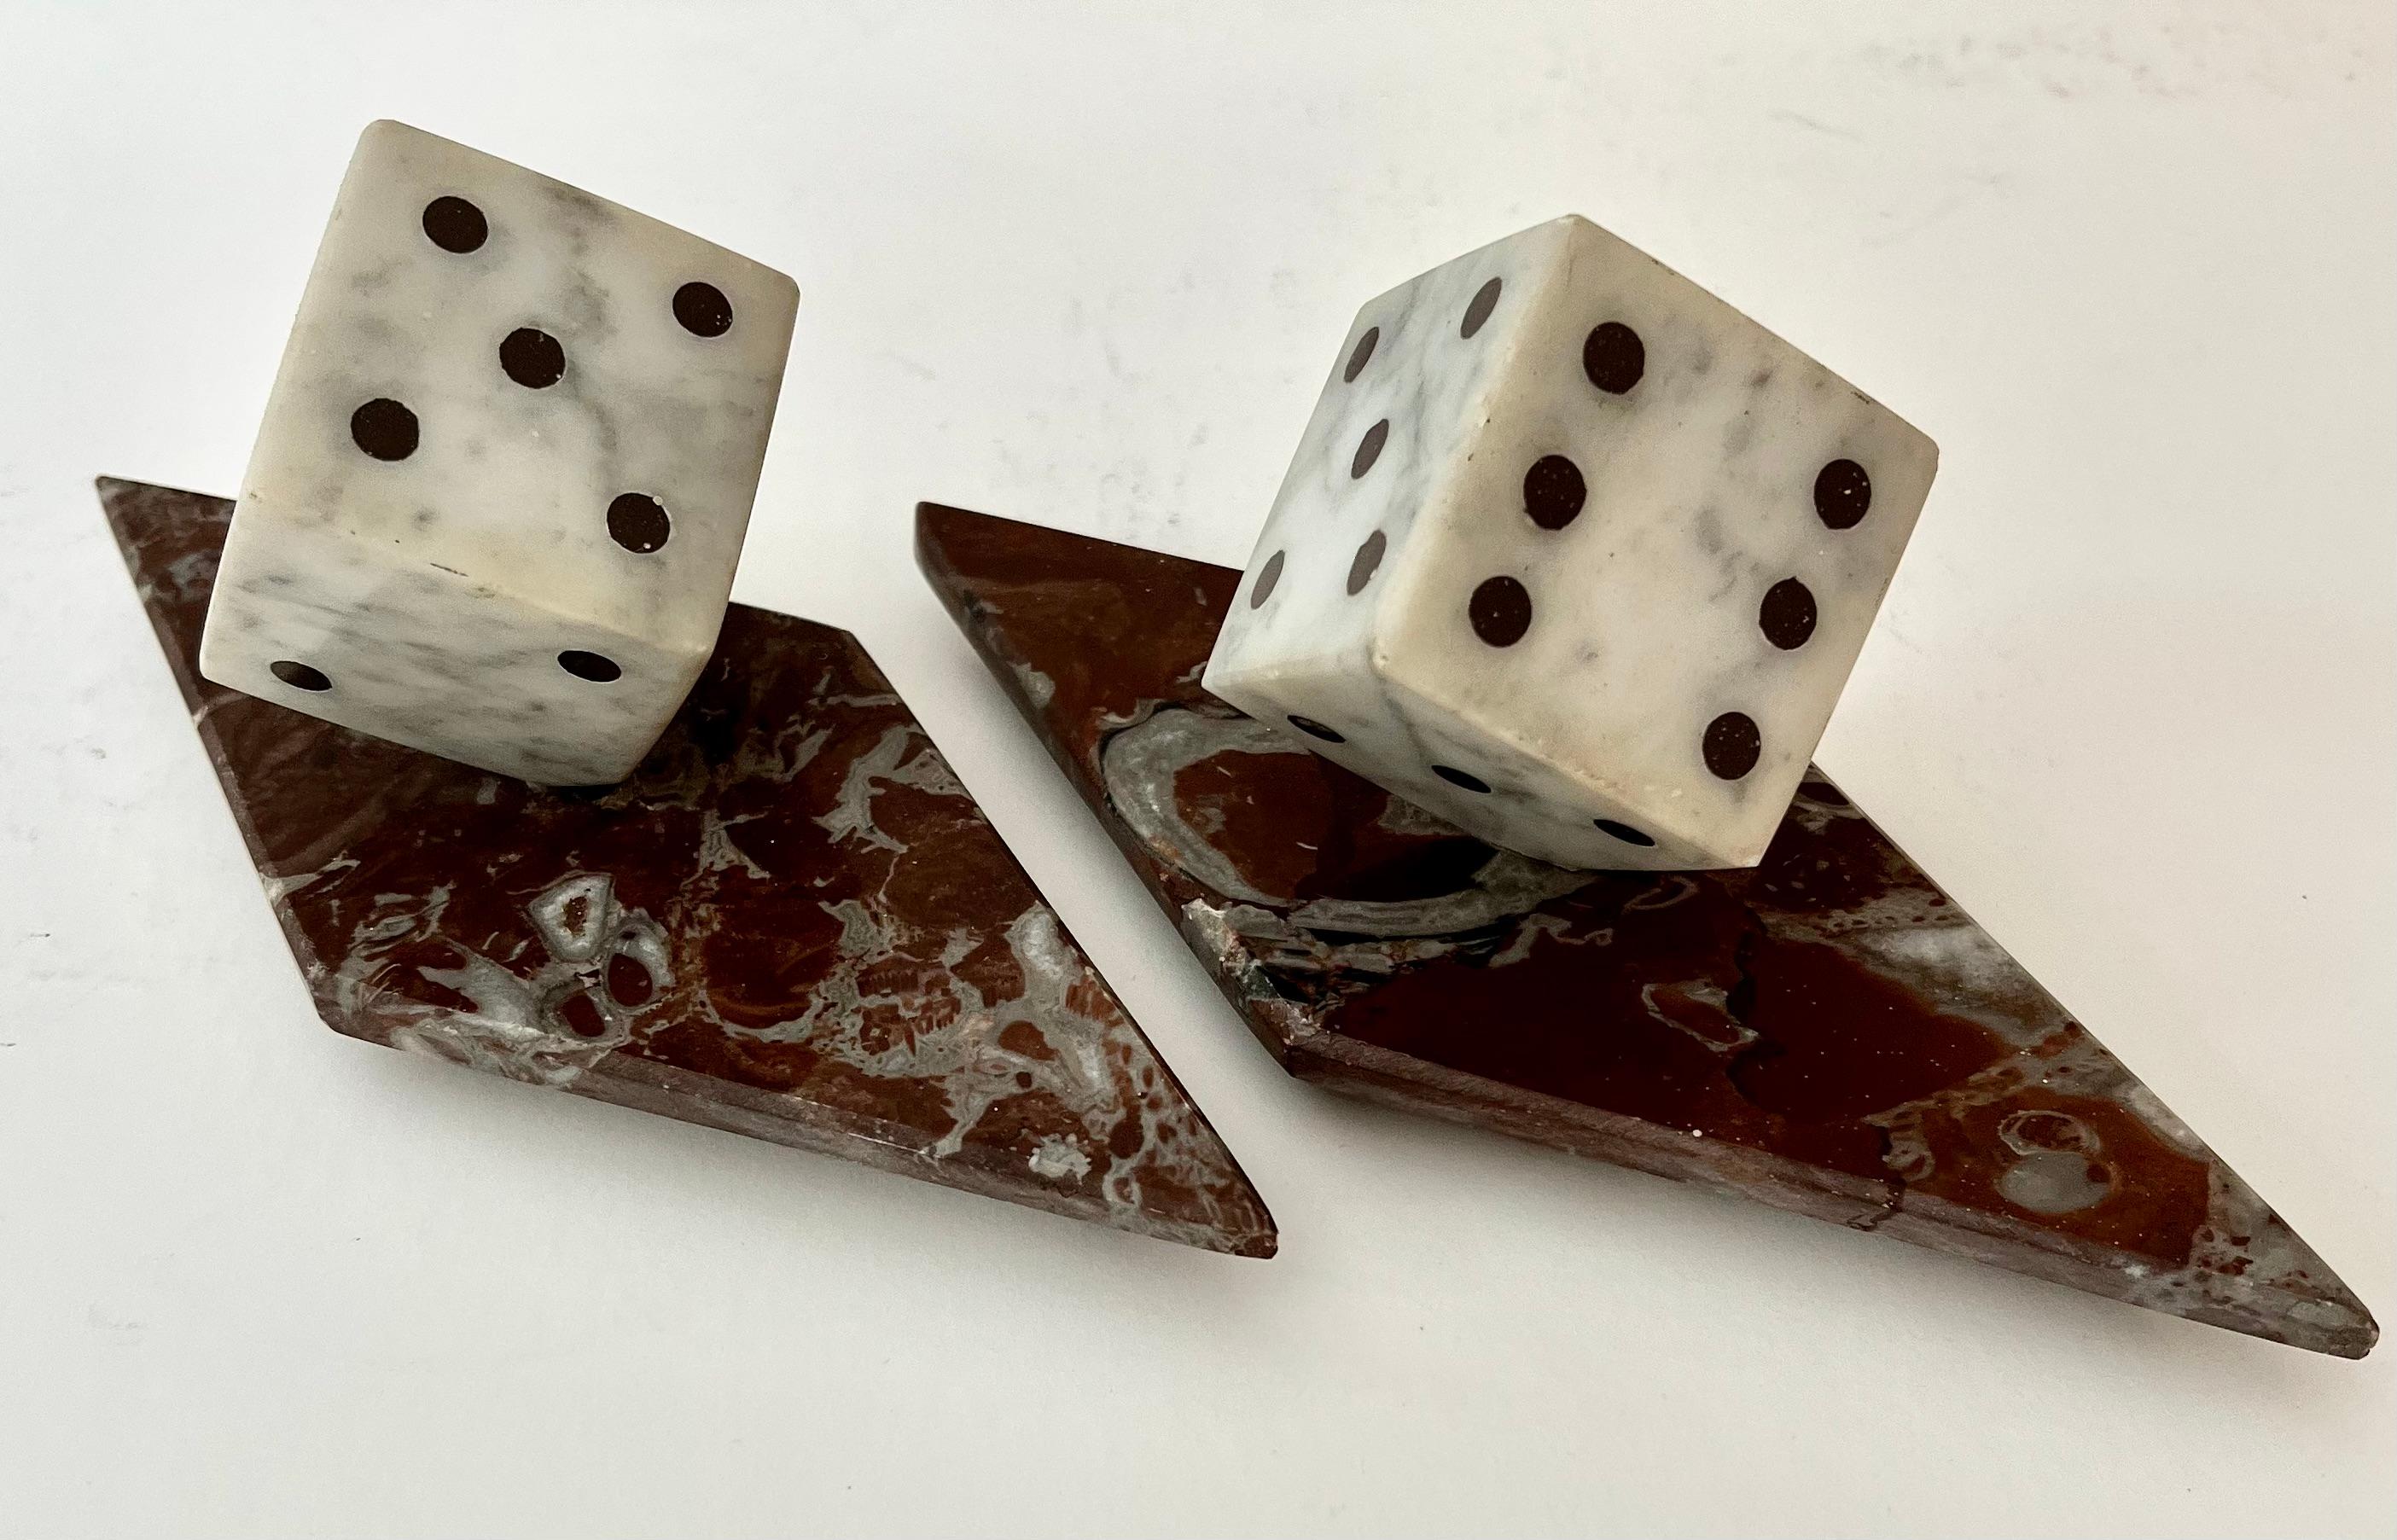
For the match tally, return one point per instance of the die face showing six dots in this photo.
(1694, 522)
(466, 431)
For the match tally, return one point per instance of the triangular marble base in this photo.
(1827, 1033)
(792, 922)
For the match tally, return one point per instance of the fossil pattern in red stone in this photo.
(792, 922)
(1826, 1033)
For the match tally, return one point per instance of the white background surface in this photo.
(2131, 701)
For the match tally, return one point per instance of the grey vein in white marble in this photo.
(435, 594)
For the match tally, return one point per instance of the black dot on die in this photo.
(1314, 729)
(1367, 562)
(1501, 611)
(1266, 580)
(453, 224)
(638, 522)
(1485, 300)
(1623, 832)
(385, 429)
(1364, 353)
(1787, 615)
(1369, 448)
(1613, 357)
(589, 665)
(1459, 778)
(532, 359)
(1842, 494)
(1554, 492)
(298, 676)
(702, 310)
(1732, 744)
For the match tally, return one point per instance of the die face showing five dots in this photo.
(388, 430)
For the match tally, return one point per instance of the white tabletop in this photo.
(2133, 699)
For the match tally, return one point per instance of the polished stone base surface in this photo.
(792, 922)
(1827, 1033)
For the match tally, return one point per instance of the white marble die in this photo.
(1575, 555)
(505, 469)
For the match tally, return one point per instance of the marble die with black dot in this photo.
(505, 469)
(1575, 555)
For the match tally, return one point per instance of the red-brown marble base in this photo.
(792, 922)
(1827, 1033)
